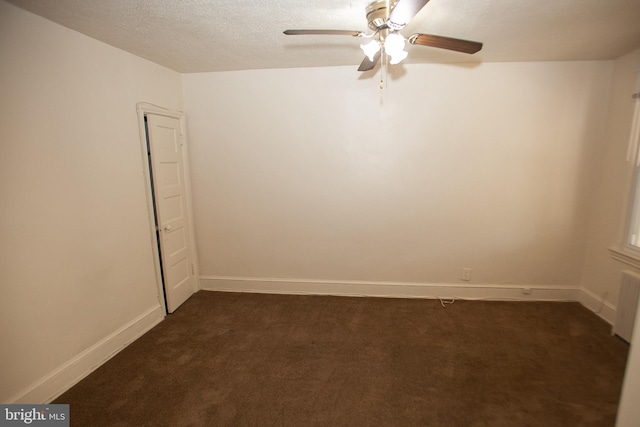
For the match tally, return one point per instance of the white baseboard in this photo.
(390, 289)
(598, 305)
(61, 379)
(602, 308)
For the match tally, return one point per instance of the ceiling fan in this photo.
(386, 18)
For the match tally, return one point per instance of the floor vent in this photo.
(627, 305)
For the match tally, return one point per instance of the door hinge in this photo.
(193, 269)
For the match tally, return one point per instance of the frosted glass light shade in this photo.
(394, 47)
(397, 57)
(370, 49)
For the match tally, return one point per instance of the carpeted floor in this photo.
(284, 360)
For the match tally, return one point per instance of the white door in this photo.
(167, 169)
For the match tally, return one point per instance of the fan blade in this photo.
(324, 33)
(403, 12)
(465, 46)
(367, 65)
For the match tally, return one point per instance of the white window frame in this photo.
(630, 248)
(632, 235)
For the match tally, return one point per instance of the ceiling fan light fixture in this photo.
(370, 49)
(394, 47)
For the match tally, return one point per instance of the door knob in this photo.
(167, 228)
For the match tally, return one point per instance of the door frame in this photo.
(144, 108)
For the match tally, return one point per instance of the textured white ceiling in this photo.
(219, 35)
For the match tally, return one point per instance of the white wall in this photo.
(76, 260)
(611, 195)
(316, 174)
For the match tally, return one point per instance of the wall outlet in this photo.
(526, 291)
(466, 274)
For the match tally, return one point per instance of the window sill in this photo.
(625, 257)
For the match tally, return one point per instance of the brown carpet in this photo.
(283, 360)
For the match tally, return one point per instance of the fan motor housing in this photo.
(378, 13)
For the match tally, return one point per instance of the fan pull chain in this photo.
(383, 69)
